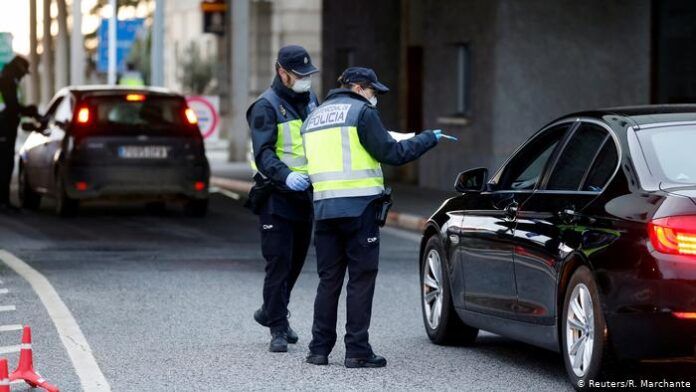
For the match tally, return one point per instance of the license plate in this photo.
(143, 152)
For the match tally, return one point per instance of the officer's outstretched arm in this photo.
(382, 146)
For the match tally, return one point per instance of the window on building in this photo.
(345, 57)
(463, 82)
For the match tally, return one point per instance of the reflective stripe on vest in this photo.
(337, 163)
(289, 144)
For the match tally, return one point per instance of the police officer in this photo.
(285, 208)
(345, 142)
(132, 77)
(10, 113)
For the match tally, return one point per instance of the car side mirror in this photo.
(472, 180)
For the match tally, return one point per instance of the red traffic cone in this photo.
(4, 378)
(25, 369)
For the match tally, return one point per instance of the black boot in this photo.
(374, 361)
(261, 318)
(317, 359)
(279, 342)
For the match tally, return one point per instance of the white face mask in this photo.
(302, 85)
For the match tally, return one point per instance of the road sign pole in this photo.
(113, 43)
(77, 46)
(157, 59)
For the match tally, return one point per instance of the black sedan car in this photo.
(583, 242)
(106, 142)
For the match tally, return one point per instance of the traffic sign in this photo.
(214, 20)
(126, 33)
(207, 109)
(6, 52)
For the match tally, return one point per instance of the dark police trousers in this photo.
(7, 158)
(352, 244)
(284, 244)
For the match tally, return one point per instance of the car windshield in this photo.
(138, 112)
(669, 152)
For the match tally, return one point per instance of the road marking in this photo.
(403, 234)
(4, 291)
(11, 327)
(7, 308)
(86, 367)
(10, 349)
(225, 192)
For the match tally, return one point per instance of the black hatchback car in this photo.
(106, 142)
(583, 242)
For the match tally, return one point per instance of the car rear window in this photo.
(669, 152)
(138, 112)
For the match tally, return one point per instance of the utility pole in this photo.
(47, 75)
(157, 53)
(34, 86)
(62, 47)
(240, 80)
(113, 41)
(77, 46)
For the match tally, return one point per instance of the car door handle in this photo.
(511, 210)
(568, 215)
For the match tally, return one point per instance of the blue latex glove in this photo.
(439, 135)
(297, 182)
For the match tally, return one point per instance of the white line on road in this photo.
(225, 192)
(4, 291)
(86, 367)
(10, 349)
(7, 308)
(10, 327)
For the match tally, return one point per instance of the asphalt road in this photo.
(166, 301)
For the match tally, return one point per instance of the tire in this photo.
(600, 362)
(65, 206)
(448, 328)
(28, 198)
(196, 207)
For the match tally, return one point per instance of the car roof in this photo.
(110, 89)
(646, 114)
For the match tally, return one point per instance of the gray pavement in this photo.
(166, 304)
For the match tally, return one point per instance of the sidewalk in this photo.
(412, 205)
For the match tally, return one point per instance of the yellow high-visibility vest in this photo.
(337, 163)
(289, 146)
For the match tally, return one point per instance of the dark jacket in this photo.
(262, 120)
(382, 146)
(11, 115)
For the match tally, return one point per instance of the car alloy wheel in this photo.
(580, 332)
(432, 288)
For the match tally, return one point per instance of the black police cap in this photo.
(363, 75)
(296, 59)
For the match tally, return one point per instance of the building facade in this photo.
(493, 72)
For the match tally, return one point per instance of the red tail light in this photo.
(83, 116)
(191, 116)
(674, 235)
(199, 185)
(81, 186)
(685, 315)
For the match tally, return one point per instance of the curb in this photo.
(396, 219)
